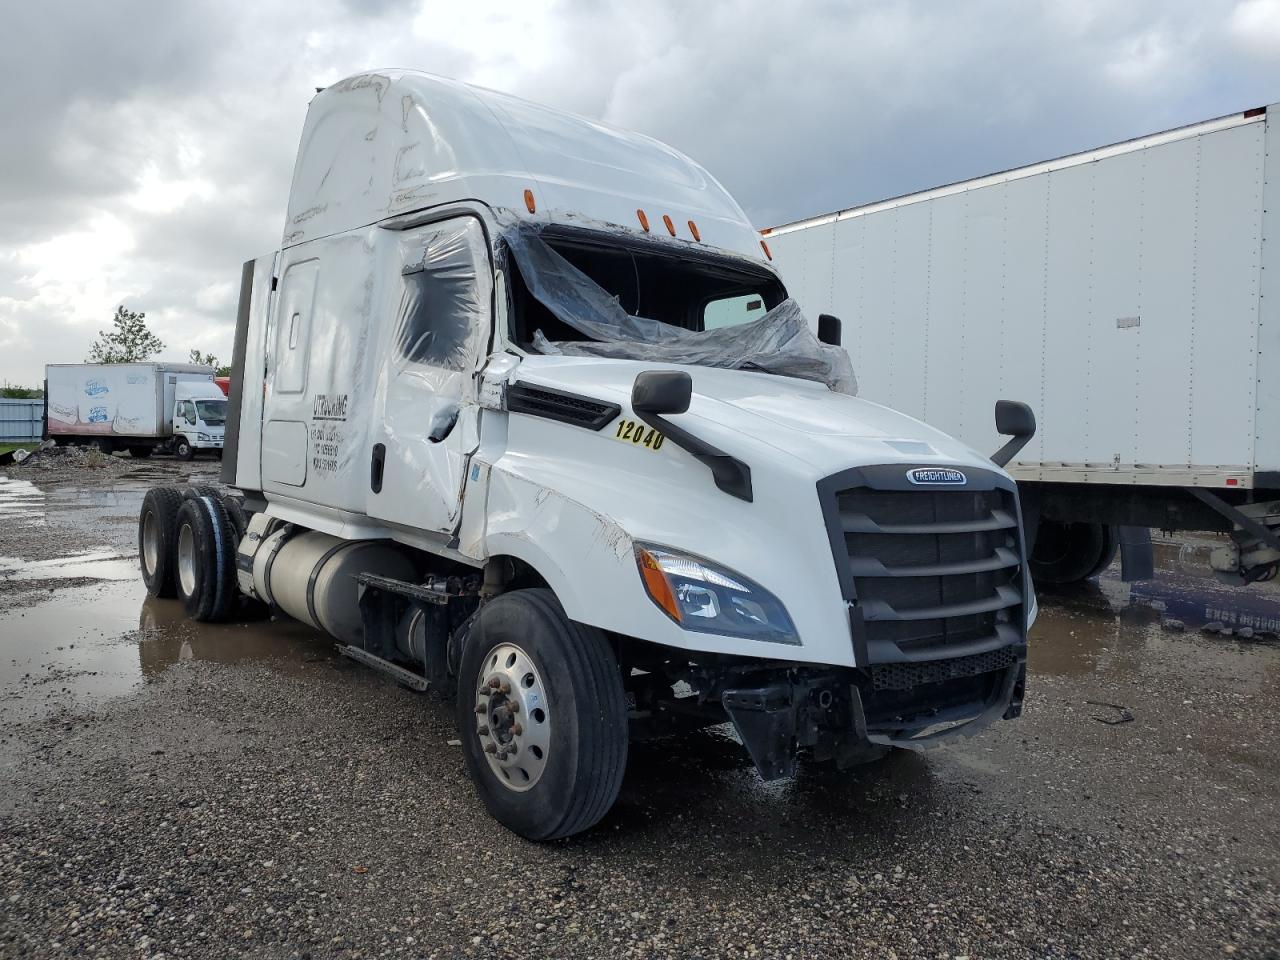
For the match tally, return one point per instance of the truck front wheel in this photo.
(542, 716)
(182, 449)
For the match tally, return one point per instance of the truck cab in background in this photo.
(521, 413)
(199, 418)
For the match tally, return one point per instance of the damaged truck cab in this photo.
(520, 412)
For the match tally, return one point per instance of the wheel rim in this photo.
(513, 717)
(150, 542)
(186, 560)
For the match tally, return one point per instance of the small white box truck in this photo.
(522, 413)
(1131, 294)
(139, 407)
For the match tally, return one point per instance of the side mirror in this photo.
(1013, 419)
(661, 392)
(829, 329)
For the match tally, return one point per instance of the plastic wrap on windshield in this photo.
(781, 342)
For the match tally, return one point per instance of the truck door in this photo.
(425, 418)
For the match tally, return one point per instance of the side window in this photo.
(443, 316)
(731, 311)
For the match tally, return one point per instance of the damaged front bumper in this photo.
(851, 716)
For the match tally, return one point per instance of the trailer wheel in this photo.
(1110, 547)
(542, 716)
(197, 490)
(156, 533)
(182, 449)
(1069, 552)
(204, 560)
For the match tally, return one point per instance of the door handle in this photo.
(376, 464)
(442, 424)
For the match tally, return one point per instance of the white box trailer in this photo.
(1129, 294)
(132, 406)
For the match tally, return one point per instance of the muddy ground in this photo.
(176, 790)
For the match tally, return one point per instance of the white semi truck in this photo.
(1131, 294)
(522, 413)
(139, 407)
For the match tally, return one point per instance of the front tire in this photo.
(183, 450)
(548, 752)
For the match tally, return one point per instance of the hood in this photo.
(828, 430)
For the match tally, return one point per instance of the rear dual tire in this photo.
(156, 530)
(572, 717)
(204, 559)
(187, 539)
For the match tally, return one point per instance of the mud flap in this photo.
(1137, 561)
(765, 719)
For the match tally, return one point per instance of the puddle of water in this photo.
(1114, 628)
(95, 565)
(21, 500)
(79, 646)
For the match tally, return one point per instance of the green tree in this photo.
(20, 393)
(209, 360)
(130, 342)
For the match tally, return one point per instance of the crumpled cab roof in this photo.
(391, 142)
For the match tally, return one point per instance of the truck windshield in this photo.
(585, 294)
(212, 412)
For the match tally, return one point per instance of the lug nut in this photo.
(514, 706)
(505, 688)
(482, 708)
(483, 731)
(517, 729)
(502, 755)
(495, 683)
(490, 748)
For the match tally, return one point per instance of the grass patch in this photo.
(6, 447)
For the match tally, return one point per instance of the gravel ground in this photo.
(174, 790)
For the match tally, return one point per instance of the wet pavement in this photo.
(176, 789)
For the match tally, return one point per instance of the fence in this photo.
(21, 421)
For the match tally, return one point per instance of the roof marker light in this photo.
(693, 228)
(765, 247)
(644, 221)
(528, 201)
(671, 227)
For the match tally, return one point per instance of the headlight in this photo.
(204, 437)
(699, 595)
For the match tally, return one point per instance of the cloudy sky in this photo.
(147, 146)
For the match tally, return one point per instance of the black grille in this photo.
(933, 572)
(904, 676)
(559, 405)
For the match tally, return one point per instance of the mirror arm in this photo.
(1006, 453)
(730, 474)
